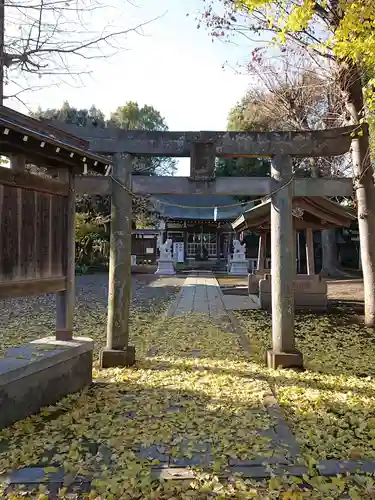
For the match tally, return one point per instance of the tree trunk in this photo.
(329, 253)
(328, 237)
(351, 85)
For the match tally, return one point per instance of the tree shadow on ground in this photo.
(336, 342)
(116, 424)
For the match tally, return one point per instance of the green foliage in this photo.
(132, 117)
(346, 26)
(68, 114)
(243, 167)
(92, 244)
(129, 116)
(250, 114)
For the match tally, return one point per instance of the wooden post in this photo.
(261, 252)
(310, 261)
(65, 300)
(17, 163)
(283, 268)
(117, 351)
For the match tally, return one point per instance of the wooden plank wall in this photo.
(33, 228)
(139, 246)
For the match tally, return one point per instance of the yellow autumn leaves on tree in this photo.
(344, 29)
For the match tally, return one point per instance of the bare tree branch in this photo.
(45, 38)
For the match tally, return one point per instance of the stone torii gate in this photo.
(203, 148)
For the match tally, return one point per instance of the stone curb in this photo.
(33, 477)
(284, 434)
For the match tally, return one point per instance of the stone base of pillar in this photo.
(284, 359)
(165, 267)
(111, 358)
(239, 268)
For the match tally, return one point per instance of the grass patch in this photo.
(330, 406)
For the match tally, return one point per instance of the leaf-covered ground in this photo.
(330, 406)
(194, 390)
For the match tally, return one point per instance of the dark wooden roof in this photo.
(44, 145)
(309, 212)
(198, 207)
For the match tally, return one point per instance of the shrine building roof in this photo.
(309, 212)
(44, 145)
(198, 207)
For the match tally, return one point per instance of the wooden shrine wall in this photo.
(33, 234)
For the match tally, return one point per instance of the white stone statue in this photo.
(239, 250)
(239, 265)
(166, 250)
(165, 264)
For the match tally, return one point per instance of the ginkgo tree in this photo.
(341, 32)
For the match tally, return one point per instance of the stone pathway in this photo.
(199, 294)
(202, 294)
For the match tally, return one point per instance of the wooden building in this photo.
(309, 214)
(199, 226)
(144, 246)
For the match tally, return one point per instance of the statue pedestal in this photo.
(165, 267)
(239, 267)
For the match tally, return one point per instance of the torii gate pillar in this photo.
(283, 267)
(118, 352)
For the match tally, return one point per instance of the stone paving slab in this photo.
(199, 294)
(32, 477)
(240, 303)
(336, 467)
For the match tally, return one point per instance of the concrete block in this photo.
(310, 292)
(239, 267)
(253, 282)
(24, 482)
(199, 456)
(40, 373)
(110, 358)
(34, 475)
(284, 359)
(165, 268)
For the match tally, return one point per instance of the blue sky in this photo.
(172, 66)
